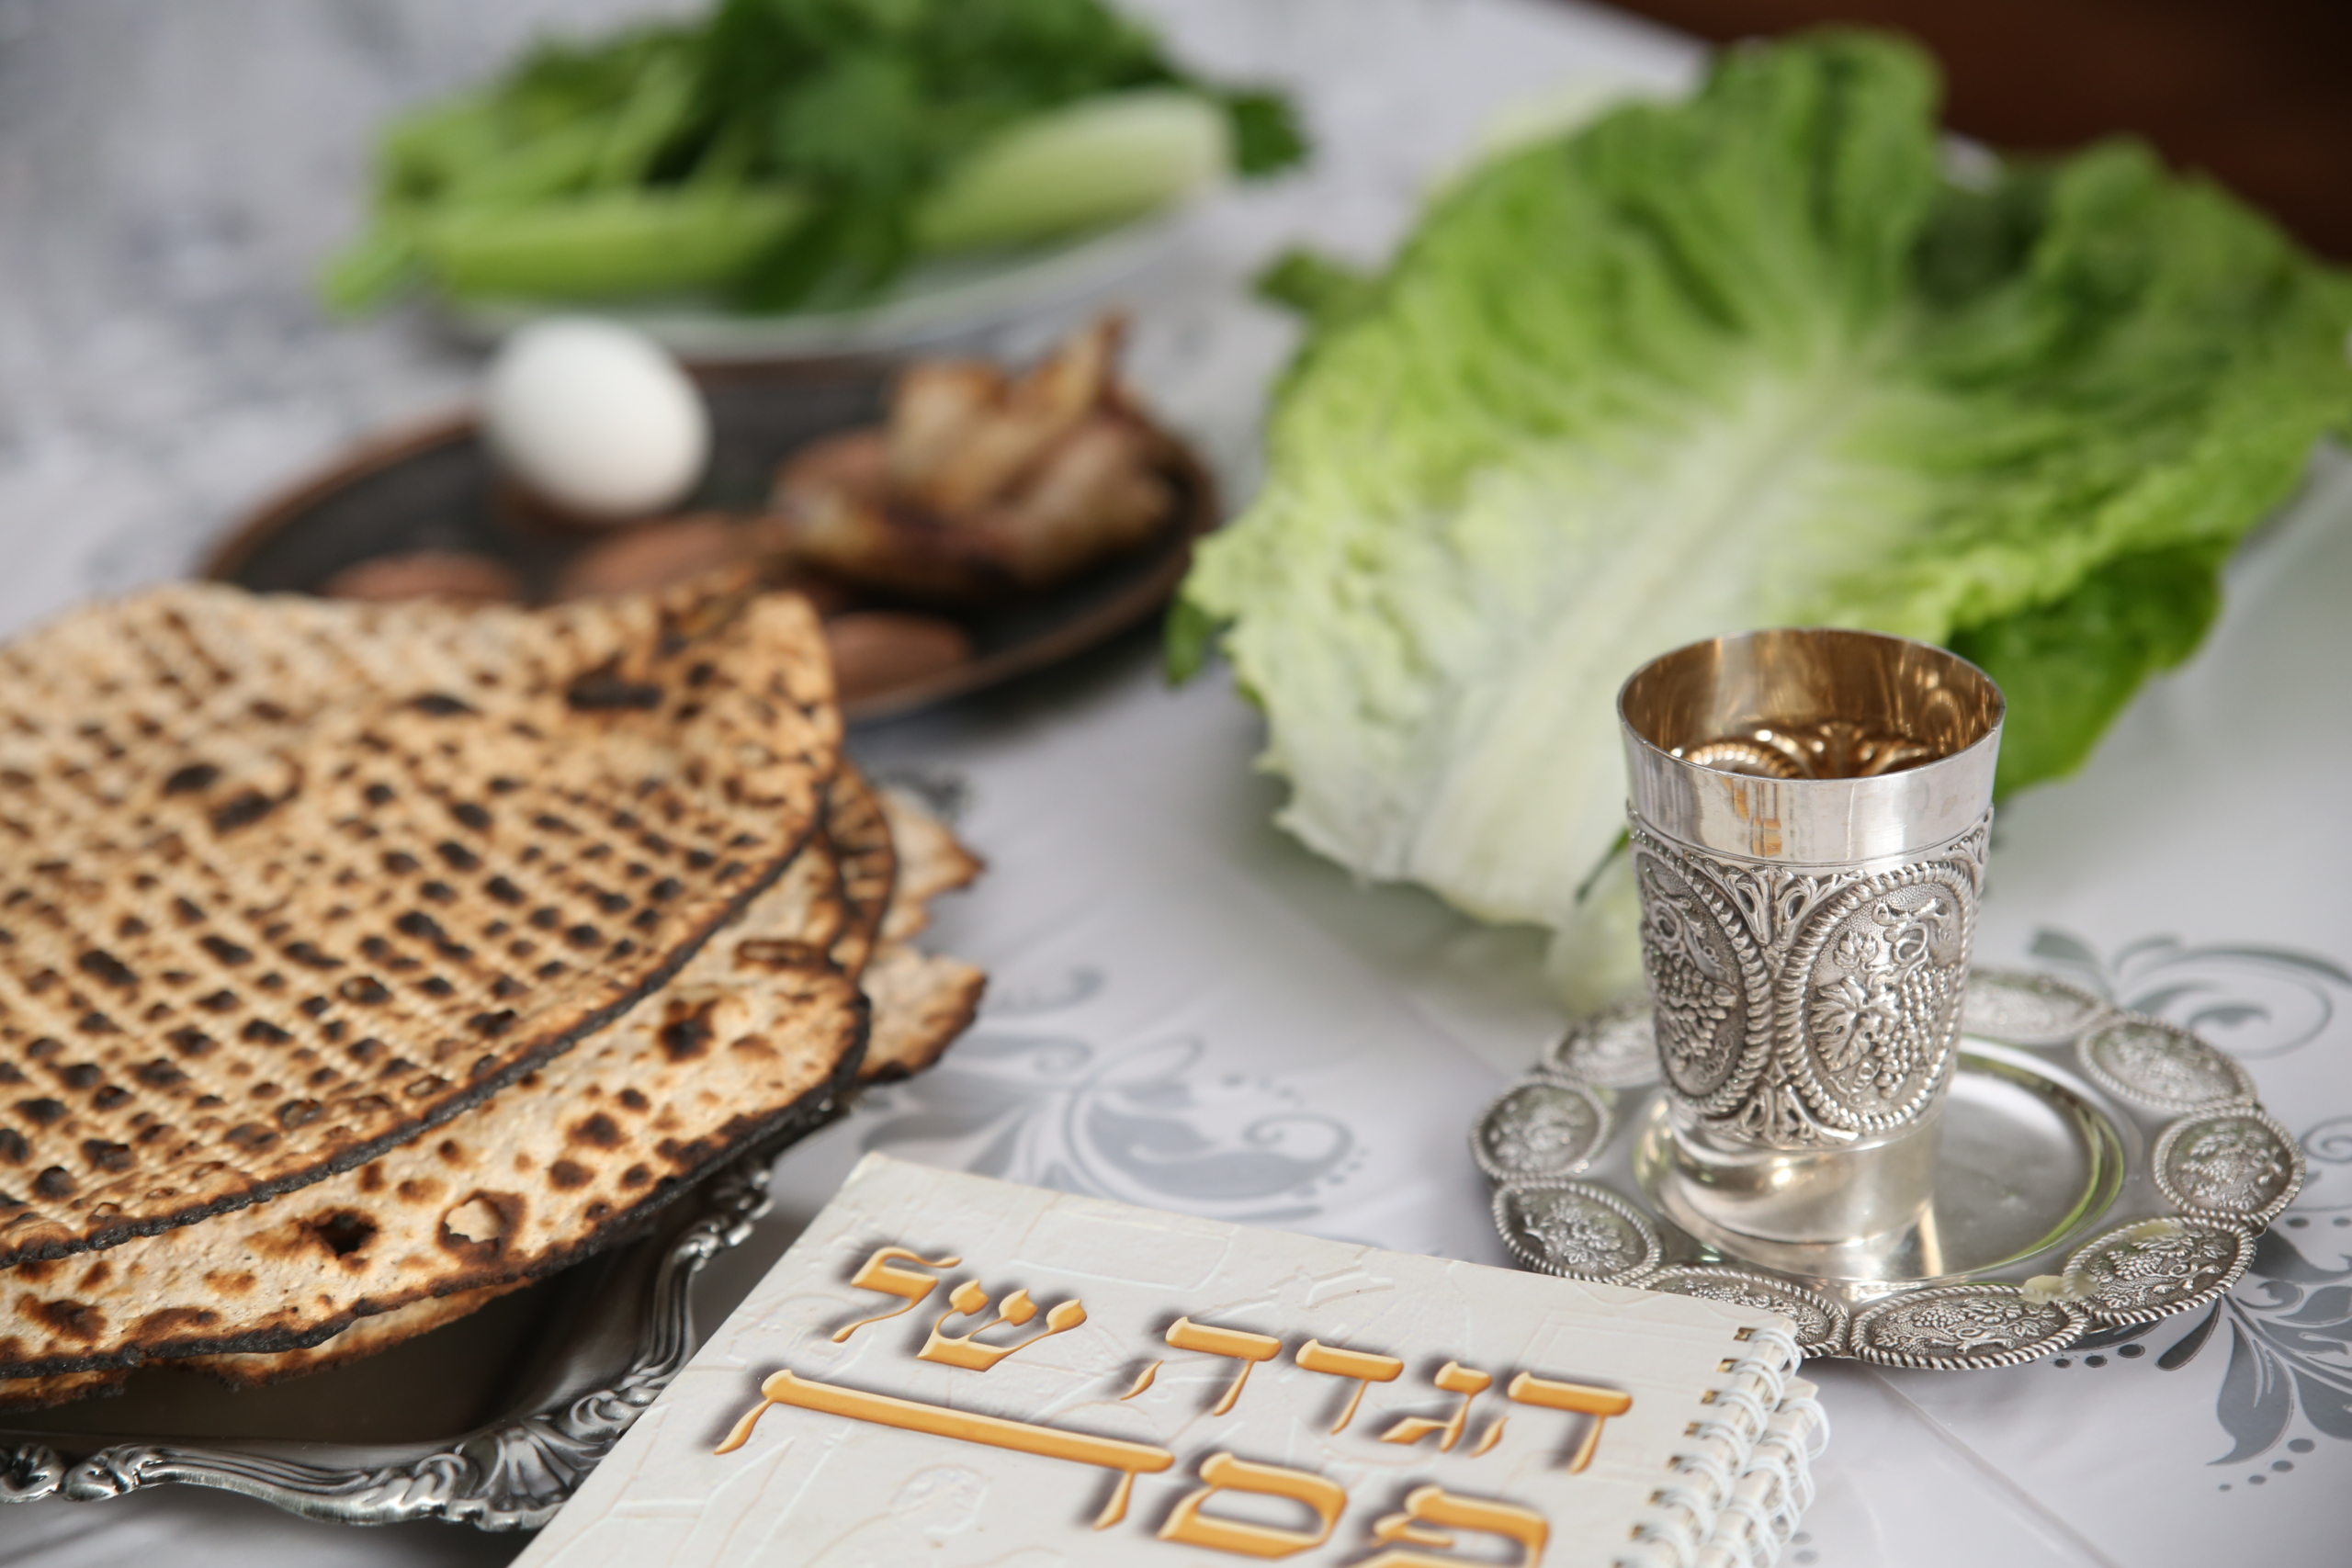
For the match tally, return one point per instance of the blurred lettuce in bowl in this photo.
(1747, 360)
(783, 156)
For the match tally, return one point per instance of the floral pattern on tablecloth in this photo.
(1143, 1123)
(2288, 1325)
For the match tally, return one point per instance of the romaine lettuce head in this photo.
(1744, 361)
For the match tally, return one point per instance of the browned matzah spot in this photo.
(283, 882)
(860, 831)
(918, 1004)
(921, 1004)
(546, 1171)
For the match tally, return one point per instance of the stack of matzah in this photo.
(361, 963)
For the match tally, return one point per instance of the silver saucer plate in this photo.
(2099, 1171)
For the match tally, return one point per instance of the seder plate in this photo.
(2098, 1170)
(546, 1381)
(435, 488)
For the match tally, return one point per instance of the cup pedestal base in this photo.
(1859, 1210)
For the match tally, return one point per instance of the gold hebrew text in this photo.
(1224, 1473)
(970, 1300)
(876, 1273)
(1422, 1534)
(1599, 1403)
(1363, 1366)
(1143, 1380)
(1431, 1512)
(883, 1410)
(1243, 1347)
(1454, 1378)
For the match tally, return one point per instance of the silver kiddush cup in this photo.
(1809, 811)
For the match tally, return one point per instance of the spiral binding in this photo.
(1734, 1500)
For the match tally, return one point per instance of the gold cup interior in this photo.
(1811, 704)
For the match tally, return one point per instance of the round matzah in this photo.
(288, 882)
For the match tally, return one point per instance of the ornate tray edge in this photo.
(513, 1475)
(2084, 1320)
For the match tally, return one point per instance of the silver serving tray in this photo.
(2099, 1171)
(587, 1350)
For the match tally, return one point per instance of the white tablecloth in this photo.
(1187, 1009)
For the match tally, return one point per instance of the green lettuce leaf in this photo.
(894, 129)
(1748, 360)
(2069, 668)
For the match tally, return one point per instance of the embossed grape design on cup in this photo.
(1810, 811)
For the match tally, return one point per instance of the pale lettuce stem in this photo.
(521, 228)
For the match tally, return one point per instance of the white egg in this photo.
(595, 418)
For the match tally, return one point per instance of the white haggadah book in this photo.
(952, 1371)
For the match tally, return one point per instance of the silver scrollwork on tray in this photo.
(2236, 1163)
(2140, 1273)
(2161, 1065)
(1955, 1327)
(2021, 1008)
(2176, 1169)
(1613, 1049)
(1540, 1128)
(511, 1475)
(1821, 1323)
(1576, 1229)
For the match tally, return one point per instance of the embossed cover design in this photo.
(958, 1371)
